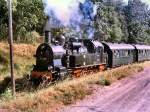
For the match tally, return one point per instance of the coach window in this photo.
(143, 52)
(116, 53)
(126, 53)
(129, 52)
(98, 49)
(148, 52)
(121, 53)
(140, 51)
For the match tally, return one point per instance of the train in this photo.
(59, 58)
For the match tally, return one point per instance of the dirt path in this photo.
(131, 94)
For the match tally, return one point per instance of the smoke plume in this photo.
(71, 13)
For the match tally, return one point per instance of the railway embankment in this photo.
(66, 92)
(23, 59)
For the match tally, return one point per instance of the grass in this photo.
(104, 82)
(6, 95)
(23, 59)
(72, 94)
(113, 75)
(68, 91)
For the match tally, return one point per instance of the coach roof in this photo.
(146, 47)
(119, 46)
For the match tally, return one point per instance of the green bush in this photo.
(104, 82)
(7, 95)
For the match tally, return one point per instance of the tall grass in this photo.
(23, 59)
(68, 91)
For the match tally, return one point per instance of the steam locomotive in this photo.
(75, 57)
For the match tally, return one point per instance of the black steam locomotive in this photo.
(57, 60)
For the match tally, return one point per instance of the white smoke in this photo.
(63, 10)
(72, 13)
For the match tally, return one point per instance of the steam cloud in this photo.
(71, 13)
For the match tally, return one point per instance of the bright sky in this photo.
(146, 1)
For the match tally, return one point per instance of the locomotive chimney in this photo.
(47, 37)
(47, 31)
(50, 24)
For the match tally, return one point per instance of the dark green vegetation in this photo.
(118, 22)
(28, 16)
(115, 21)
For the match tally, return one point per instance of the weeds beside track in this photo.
(68, 91)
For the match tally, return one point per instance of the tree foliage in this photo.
(137, 15)
(114, 22)
(118, 22)
(28, 16)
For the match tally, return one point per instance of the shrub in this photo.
(6, 95)
(104, 82)
(3, 58)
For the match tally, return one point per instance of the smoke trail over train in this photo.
(71, 13)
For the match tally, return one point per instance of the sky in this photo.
(145, 1)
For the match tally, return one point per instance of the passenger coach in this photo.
(119, 54)
(142, 52)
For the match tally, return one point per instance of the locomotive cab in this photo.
(95, 52)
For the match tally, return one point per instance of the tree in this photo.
(28, 15)
(3, 19)
(137, 19)
(110, 23)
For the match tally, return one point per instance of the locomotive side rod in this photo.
(11, 47)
